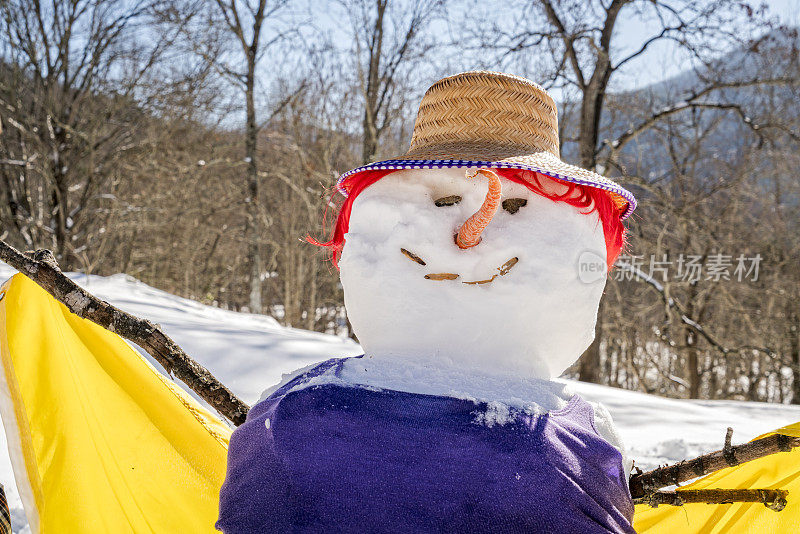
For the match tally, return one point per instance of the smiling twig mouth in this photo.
(508, 265)
(502, 270)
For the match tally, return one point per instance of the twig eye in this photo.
(512, 205)
(412, 256)
(452, 200)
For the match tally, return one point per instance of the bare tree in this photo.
(73, 85)
(234, 36)
(710, 336)
(248, 35)
(390, 40)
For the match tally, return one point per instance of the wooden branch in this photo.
(5, 514)
(644, 484)
(771, 498)
(43, 269)
(15, 162)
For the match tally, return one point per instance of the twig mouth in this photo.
(508, 265)
(502, 270)
(441, 276)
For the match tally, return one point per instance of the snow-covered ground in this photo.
(249, 353)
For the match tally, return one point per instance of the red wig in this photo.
(586, 198)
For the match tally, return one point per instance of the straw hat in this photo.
(494, 120)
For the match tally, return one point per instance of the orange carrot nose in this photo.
(469, 234)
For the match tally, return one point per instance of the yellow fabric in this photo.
(778, 471)
(109, 444)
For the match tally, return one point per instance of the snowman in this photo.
(472, 269)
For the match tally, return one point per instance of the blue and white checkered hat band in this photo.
(586, 178)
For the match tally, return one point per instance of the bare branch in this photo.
(43, 270)
(569, 41)
(642, 484)
(774, 499)
(692, 102)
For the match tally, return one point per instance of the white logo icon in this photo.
(591, 267)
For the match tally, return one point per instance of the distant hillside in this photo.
(776, 55)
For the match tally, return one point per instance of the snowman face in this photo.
(412, 293)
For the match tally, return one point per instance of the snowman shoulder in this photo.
(604, 425)
(285, 379)
(314, 371)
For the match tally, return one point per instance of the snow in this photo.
(522, 393)
(249, 352)
(536, 320)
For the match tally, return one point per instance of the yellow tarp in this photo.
(778, 471)
(100, 441)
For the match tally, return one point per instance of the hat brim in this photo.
(541, 162)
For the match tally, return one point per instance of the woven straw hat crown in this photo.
(485, 115)
(494, 120)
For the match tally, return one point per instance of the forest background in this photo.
(194, 144)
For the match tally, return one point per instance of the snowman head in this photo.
(479, 247)
(512, 295)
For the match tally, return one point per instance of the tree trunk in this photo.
(594, 92)
(590, 119)
(370, 144)
(692, 364)
(591, 108)
(589, 369)
(692, 352)
(59, 196)
(373, 84)
(589, 366)
(253, 229)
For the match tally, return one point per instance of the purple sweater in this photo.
(338, 458)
